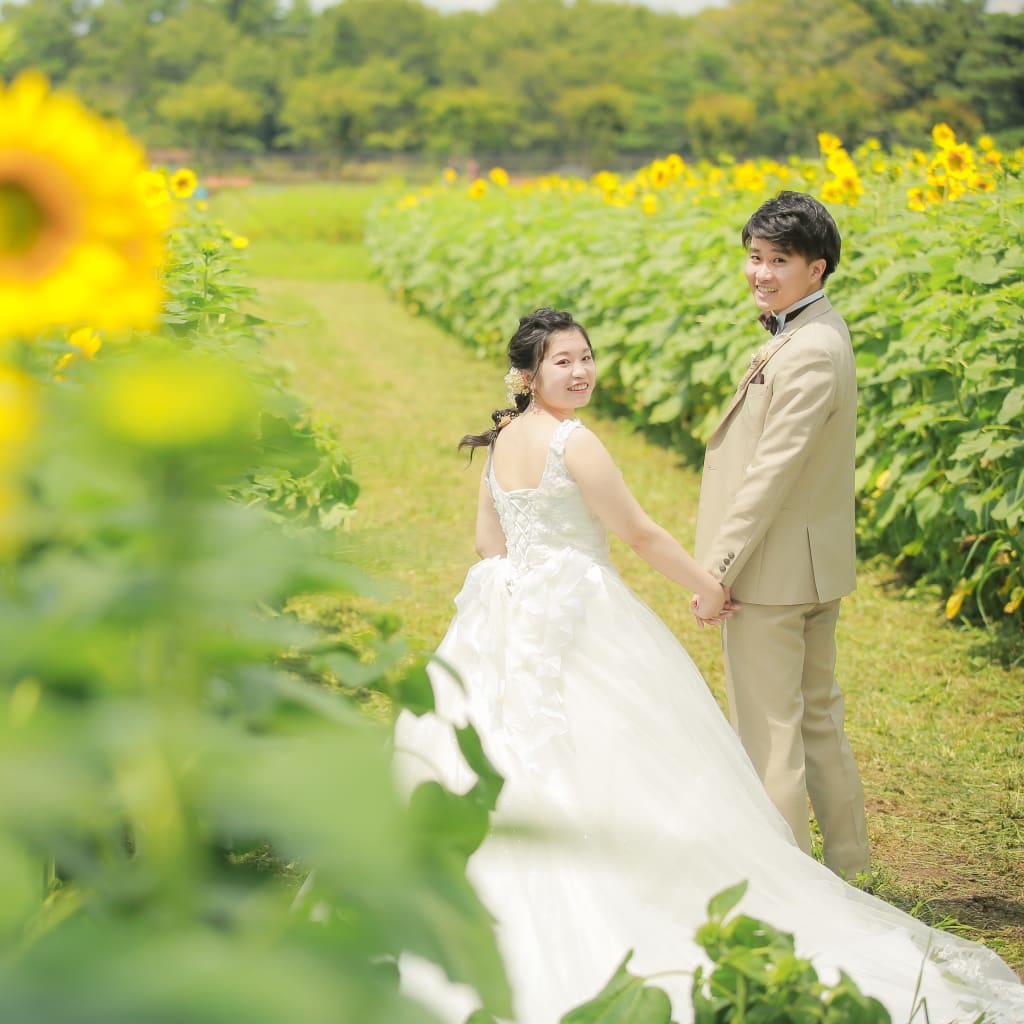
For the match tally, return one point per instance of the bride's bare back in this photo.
(521, 451)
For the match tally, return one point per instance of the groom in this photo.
(776, 526)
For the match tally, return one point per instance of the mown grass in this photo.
(936, 723)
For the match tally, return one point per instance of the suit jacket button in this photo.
(721, 568)
(731, 555)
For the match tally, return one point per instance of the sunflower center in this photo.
(39, 219)
(21, 220)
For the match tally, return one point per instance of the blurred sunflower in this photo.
(17, 420)
(84, 342)
(659, 175)
(17, 412)
(959, 160)
(828, 143)
(183, 182)
(943, 136)
(78, 240)
(916, 199)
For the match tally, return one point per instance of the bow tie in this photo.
(770, 322)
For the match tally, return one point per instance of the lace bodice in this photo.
(551, 517)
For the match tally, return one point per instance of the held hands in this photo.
(710, 608)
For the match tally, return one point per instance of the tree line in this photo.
(528, 81)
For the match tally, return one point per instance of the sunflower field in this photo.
(931, 281)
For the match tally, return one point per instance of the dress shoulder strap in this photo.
(561, 436)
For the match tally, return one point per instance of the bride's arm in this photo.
(490, 538)
(607, 495)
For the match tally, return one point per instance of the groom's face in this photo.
(778, 278)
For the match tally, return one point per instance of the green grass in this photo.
(321, 212)
(316, 260)
(935, 721)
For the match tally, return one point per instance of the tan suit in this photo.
(776, 524)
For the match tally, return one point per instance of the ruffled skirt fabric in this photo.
(610, 740)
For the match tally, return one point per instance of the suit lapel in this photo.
(763, 354)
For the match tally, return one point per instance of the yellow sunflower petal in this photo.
(79, 238)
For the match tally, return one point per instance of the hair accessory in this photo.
(505, 420)
(517, 384)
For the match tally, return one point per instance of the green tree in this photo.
(352, 32)
(213, 116)
(719, 124)
(468, 122)
(596, 118)
(114, 72)
(990, 76)
(326, 114)
(189, 39)
(43, 34)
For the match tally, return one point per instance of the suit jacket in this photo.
(776, 515)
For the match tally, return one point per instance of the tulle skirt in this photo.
(611, 743)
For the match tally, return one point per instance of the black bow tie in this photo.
(770, 322)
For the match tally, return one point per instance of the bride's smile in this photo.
(566, 376)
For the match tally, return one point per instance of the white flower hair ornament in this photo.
(517, 383)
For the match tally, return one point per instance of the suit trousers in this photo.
(787, 708)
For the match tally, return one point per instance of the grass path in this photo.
(935, 724)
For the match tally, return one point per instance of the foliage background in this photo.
(529, 83)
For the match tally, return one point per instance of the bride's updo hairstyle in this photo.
(526, 349)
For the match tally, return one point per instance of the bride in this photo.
(610, 741)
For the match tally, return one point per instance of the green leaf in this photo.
(414, 691)
(626, 999)
(447, 820)
(481, 1017)
(721, 903)
(927, 505)
(489, 779)
(666, 411)
(1013, 406)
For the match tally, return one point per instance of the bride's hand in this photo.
(710, 608)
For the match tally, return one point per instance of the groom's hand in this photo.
(728, 607)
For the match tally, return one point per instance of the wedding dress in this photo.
(608, 736)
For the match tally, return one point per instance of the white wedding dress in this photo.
(608, 736)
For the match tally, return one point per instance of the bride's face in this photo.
(566, 376)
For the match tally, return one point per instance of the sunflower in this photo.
(17, 413)
(499, 176)
(839, 162)
(78, 240)
(828, 143)
(659, 175)
(152, 187)
(85, 343)
(183, 183)
(943, 136)
(916, 199)
(959, 160)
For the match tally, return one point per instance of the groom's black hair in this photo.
(797, 222)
